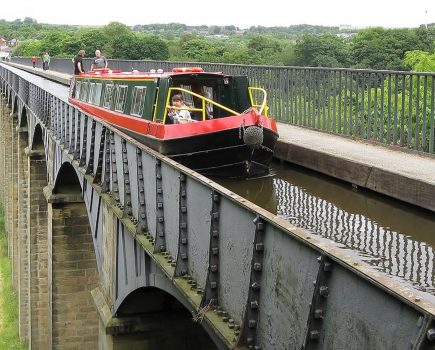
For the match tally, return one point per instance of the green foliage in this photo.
(29, 48)
(420, 61)
(8, 299)
(198, 50)
(321, 51)
(261, 43)
(378, 48)
(303, 45)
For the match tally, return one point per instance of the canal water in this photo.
(392, 236)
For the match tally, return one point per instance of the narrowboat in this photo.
(228, 133)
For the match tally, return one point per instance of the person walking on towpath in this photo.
(99, 61)
(45, 61)
(34, 59)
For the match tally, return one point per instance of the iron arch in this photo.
(161, 319)
(67, 181)
(38, 139)
(24, 122)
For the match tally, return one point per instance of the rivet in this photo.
(213, 285)
(324, 291)
(252, 324)
(257, 267)
(215, 233)
(314, 335)
(215, 250)
(254, 304)
(318, 313)
(259, 247)
(215, 215)
(430, 334)
(214, 268)
(255, 286)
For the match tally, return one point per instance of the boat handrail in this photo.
(203, 99)
(263, 106)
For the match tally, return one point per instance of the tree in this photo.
(198, 50)
(321, 51)
(54, 43)
(28, 48)
(260, 43)
(420, 61)
(378, 48)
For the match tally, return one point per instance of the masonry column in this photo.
(22, 233)
(40, 330)
(74, 272)
(14, 200)
(2, 149)
(6, 133)
(104, 295)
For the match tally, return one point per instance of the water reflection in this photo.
(392, 236)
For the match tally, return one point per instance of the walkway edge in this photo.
(407, 189)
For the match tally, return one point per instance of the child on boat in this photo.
(176, 113)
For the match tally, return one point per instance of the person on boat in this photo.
(78, 63)
(176, 113)
(99, 61)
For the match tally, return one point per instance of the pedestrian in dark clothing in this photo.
(78, 63)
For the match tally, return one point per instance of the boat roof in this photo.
(107, 73)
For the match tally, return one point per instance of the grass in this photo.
(8, 298)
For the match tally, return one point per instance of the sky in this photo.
(241, 13)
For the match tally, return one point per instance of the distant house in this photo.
(13, 42)
(5, 52)
(3, 42)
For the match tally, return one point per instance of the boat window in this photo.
(188, 99)
(84, 91)
(139, 94)
(91, 92)
(78, 88)
(107, 101)
(121, 94)
(97, 94)
(207, 90)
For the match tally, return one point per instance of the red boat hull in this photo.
(213, 147)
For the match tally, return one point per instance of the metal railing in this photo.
(387, 107)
